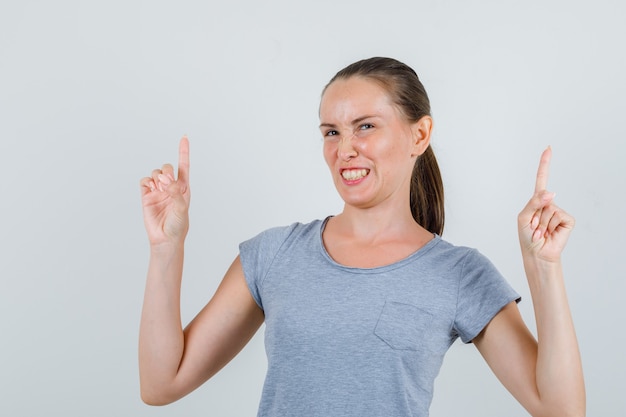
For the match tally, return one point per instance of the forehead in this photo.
(354, 97)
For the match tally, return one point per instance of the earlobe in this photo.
(421, 134)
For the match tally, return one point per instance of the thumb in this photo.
(538, 201)
(174, 189)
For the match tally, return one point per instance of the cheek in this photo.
(392, 157)
(383, 150)
(397, 147)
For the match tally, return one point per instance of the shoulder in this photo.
(445, 253)
(272, 239)
(259, 253)
(458, 262)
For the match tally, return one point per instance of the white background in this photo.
(94, 95)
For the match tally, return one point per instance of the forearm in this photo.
(559, 375)
(161, 339)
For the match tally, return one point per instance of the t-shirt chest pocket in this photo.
(403, 326)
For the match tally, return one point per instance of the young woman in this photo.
(361, 307)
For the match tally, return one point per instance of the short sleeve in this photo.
(482, 293)
(257, 255)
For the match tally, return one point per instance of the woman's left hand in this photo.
(543, 227)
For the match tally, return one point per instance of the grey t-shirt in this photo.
(343, 341)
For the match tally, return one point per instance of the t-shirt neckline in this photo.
(377, 269)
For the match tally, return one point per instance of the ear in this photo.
(421, 135)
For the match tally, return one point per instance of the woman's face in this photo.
(369, 146)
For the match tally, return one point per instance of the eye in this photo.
(363, 130)
(331, 134)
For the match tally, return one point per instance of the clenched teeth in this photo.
(354, 174)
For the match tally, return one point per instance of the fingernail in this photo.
(165, 179)
(536, 235)
(534, 223)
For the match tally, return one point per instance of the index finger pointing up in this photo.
(183, 160)
(542, 172)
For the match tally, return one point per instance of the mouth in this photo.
(354, 174)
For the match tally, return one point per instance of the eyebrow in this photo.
(354, 122)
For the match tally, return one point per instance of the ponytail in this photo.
(427, 193)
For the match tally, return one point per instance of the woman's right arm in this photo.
(173, 361)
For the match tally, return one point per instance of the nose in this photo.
(345, 148)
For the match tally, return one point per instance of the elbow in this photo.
(154, 397)
(154, 400)
(573, 410)
(578, 413)
(562, 414)
(570, 403)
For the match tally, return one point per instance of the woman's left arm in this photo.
(546, 377)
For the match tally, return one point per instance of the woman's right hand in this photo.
(165, 200)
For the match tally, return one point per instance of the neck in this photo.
(368, 238)
(376, 223)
